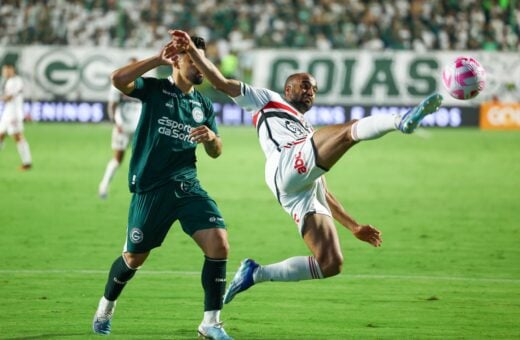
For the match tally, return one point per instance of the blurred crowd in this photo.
(235, 25)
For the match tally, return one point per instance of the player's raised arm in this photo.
(365, 232)
(183, 43)
(124, 77)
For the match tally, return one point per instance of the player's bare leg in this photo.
(321, 237)
(24, 151)
(214, 245)
(333, 141)
(110, 171)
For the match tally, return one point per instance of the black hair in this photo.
(199, 42)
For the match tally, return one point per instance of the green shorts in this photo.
(152, 213)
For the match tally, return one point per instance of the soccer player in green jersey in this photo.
(163, 179)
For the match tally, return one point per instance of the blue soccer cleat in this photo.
(214, 332)
(102, 323)
(412, 118)
(243, 279)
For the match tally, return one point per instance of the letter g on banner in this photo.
(57, 72)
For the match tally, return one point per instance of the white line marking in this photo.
(192, 273)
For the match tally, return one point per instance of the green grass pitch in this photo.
(447, 202)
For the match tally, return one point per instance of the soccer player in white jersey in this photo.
(297, 156)
(11, 122)
(124, 111)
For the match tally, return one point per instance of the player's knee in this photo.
(332, 265)
(134, 261)
(222, 249)
(347, 133)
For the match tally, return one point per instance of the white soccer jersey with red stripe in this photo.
(279, 125)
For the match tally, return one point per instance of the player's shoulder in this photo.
(205, 100)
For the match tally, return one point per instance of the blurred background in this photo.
(368, 56)
(446, 197)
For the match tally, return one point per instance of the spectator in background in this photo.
(424, 24)
(124, 111)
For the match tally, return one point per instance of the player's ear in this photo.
(288, 89)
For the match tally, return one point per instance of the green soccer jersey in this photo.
(162, 150)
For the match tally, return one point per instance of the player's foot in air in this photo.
(214, 332)
(411, 119)
(102, 323)
(243, 279)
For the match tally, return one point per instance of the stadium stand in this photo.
(234, 25)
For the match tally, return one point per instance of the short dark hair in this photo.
(199, 42)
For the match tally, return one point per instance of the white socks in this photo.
(105, 307)
(373, 127)
(211, 317)
(24, 152)
(109, 173)
(292, 269)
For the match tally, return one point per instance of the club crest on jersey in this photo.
(296, 129)
(197, 114)
(136, 236)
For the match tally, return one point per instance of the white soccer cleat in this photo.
(214, 332)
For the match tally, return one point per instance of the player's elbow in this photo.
(119, 80)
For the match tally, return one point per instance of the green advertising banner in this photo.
(344, 77)
(383, 78)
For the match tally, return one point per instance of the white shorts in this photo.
(11, 124)
(295, 179)
(120, 140)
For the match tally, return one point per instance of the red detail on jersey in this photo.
(295, 218)
(278, 105)
(299, 164)
(255, 118)
(274, 105)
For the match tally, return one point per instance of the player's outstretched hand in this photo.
(368, 234)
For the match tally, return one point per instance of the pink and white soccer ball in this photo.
(464, 78)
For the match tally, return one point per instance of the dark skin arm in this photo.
(363, 232)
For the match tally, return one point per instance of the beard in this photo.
(196, 78)
(301, 104)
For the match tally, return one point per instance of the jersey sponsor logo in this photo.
(174, 129)
(169, 93)
(295, 218)
(299, 164)
(214, 219)
(197, 114)
(297, 130)
(136, 236)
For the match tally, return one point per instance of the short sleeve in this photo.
(253, 99)
(143, 87)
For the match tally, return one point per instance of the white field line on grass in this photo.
(193, 273)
